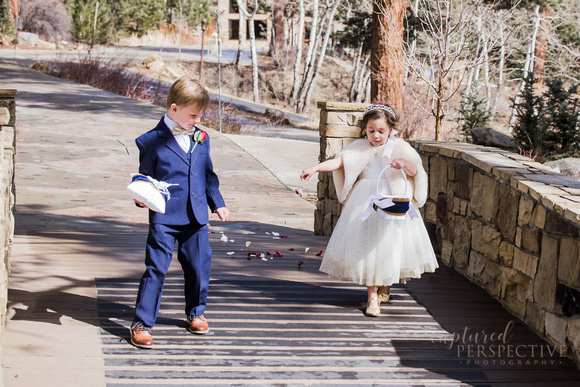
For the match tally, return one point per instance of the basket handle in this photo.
(381, 174)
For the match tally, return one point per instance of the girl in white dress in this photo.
(377, 248)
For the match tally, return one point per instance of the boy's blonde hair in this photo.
(187, 91)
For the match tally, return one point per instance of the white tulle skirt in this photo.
(376, 252)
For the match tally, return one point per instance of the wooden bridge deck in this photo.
(272, 322)
(78, 255)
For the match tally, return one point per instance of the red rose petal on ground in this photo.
(291, 249)
(320, 253)
(300, 263)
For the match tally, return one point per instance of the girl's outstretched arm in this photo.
(325, 166)
(408, 167)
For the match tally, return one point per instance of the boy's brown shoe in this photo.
(197, 325)
(141, 336)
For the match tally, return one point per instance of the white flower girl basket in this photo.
(390, 206)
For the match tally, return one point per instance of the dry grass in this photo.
(275, 82)
(106, 74)
(275, 86)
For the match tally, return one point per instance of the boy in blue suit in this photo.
(177, 152)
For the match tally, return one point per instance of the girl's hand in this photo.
(325, 166)
(308, 172)
(408, 167)
(398, 163)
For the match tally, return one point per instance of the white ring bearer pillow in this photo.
(153, 193)
(391, 206)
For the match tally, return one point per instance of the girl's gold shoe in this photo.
(384, 297)
(373, 308)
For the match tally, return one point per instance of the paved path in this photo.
(121, 55)
(274, 320)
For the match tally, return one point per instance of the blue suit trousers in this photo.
(194, 255)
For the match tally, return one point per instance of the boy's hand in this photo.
(139, 204)
(223, 213)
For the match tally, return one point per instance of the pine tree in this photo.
(530, 129)
(193, 11)
(562, 115)
(145, 15)
(6, 21)
(83, 16)
(473, 113)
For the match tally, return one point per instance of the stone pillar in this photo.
(338, 127)
(7, 150)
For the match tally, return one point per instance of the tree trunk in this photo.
(311, 54)
(254, 58)
(499, 77)
(364, 78)
(298, 60)
(241, 30)
(312, 83)
(250, 18)
(438, 118)
(541, 46)
(386, 55)
(528, 66)
(278, 40)
(364, 94)
(357, 59)
(486, 77)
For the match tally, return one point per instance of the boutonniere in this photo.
(199, 137)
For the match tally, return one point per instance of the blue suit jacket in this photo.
(161, 157)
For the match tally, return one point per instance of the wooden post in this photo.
(180, 15)
(95, 23)
(203, 27)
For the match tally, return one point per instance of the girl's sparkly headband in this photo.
(381, 107)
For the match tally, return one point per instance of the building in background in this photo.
(230, 26)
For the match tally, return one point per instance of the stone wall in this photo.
(508, 223)
(7, 150)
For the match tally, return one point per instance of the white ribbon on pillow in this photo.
(161, 186)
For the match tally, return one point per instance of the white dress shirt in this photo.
(183, 139)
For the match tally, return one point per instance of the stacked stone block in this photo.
(7, 150)
(508, 223)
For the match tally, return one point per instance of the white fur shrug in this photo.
(358, 154)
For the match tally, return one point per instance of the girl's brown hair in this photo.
(376, 112)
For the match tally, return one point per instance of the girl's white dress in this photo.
(377, 251)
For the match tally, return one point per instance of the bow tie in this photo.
(180, 130)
